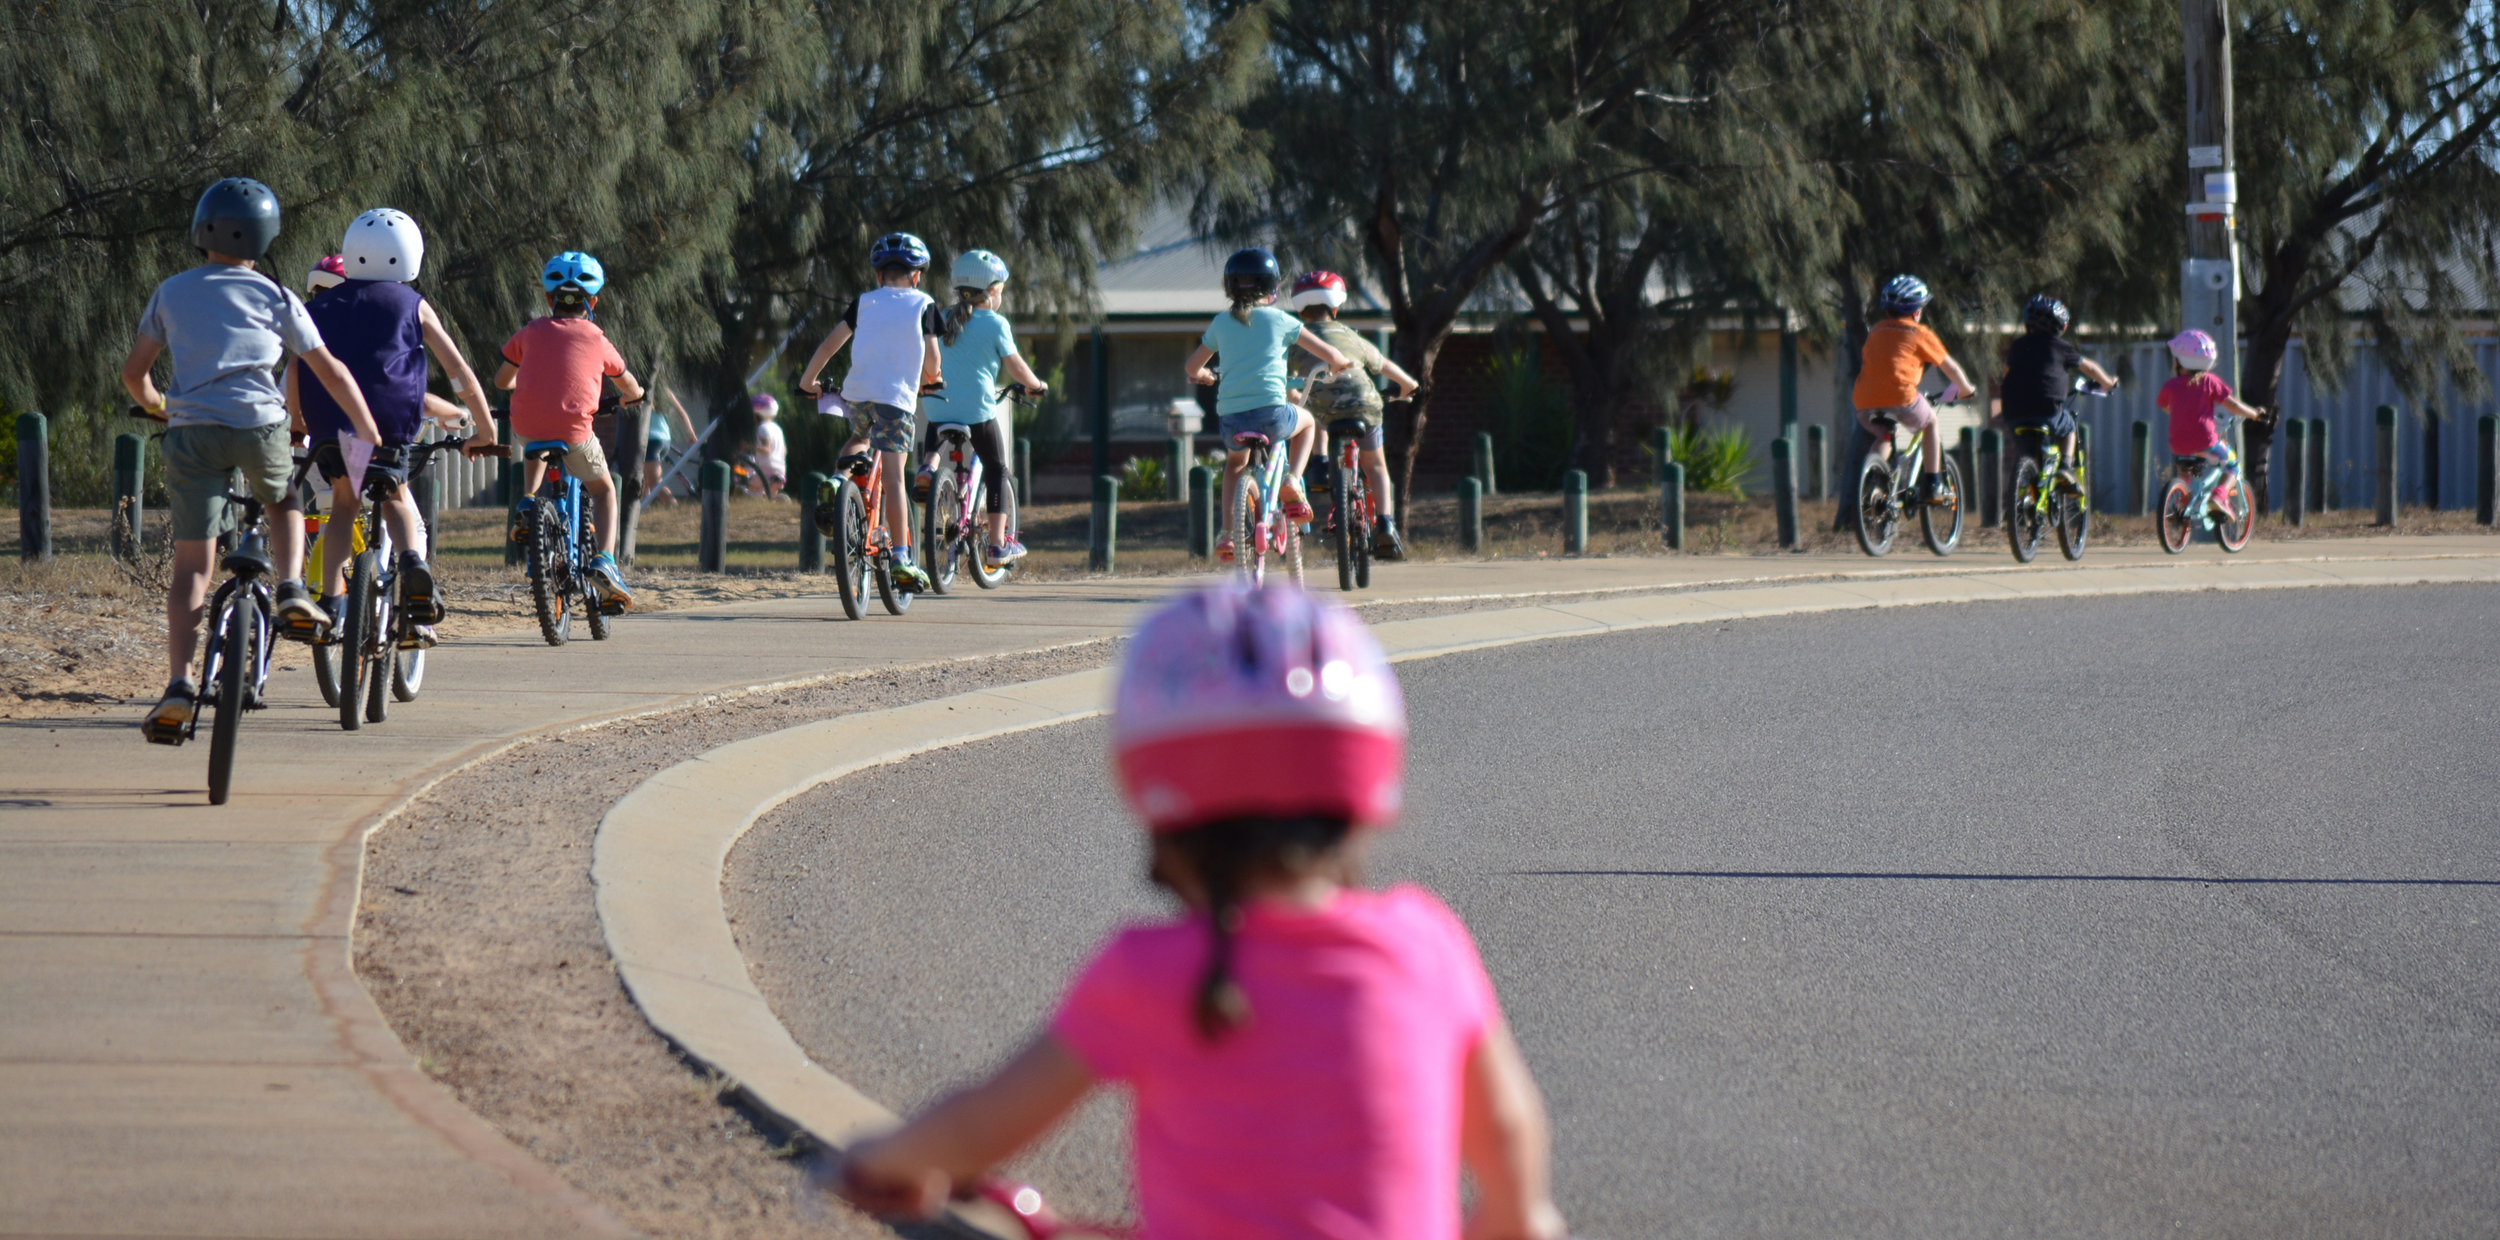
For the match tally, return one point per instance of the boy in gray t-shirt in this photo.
(225, 328)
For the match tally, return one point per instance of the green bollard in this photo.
(34, 487)
(2295, 470)
(1103, 534)
(1965, 452)
(1784, 489)
(811, 539)
(130, 454)
(1662, 445)
(1990, 484)
(1176, 470)
(1671, 505)
(508, 484)
(2140, 472)
(1471, 515)
(712, 550)
(1575, 512)
(2387, 466)
(1818, 469)
(1484, 462)
(2487, 470)
(1201, 513)
(2321, 465)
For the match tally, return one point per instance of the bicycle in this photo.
(2206, 496)
(324, 659)
(381, 656)
(2037, 501)
(952, 523)
(1353, 516)
(1886, 493)
(1259, 525)
(850, 514)
(234, 661)
(559, 540)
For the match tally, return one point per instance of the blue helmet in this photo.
(1902, 294)
(577, 269)
(901, 247)
(2047, 315)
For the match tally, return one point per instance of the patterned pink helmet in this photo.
(330, 272)
(1236, 702)
(766, 404)
(2195, 350)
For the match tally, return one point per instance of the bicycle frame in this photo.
(1267, 459)
(2207, 479)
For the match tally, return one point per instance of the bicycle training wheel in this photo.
(2071, 511)
(938, 541)
(1941, 521)
(551, 574)
(326, 670)
(235, 638)
(1878, 519)
(2173, 522)
(354, 635)
(2024, 523)
(986, 575)
(847, 543)
(1341, 520)
(2233, 533)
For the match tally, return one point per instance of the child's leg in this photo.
(184, 599)
(533, 472)
(1376, 476)
(1305, 430)
(338, 536)
(1931, 450)
(407, 529)
(1234, 462)
(603, 492)
(897, 503)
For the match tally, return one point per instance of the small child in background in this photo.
(772, 449)
(2193, 394)
(1308, 1057)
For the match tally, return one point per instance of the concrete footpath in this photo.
(184, 1048)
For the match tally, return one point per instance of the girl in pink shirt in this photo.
(1308, 1057)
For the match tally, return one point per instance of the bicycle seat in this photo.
(1251, 439)
(953, 432)
(546, 450)
(1348, 428)
(1886, 425)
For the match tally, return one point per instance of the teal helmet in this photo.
(576, 269)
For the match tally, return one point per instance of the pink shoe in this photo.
(1224, 550)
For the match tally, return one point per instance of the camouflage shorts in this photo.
(886, 428)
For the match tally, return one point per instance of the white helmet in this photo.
(383, 244)
(979, 269)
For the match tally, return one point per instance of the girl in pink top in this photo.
(2192, 395)
(1308, 1058)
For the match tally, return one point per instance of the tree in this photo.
(2370, 190)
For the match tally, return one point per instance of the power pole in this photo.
(2209, 282)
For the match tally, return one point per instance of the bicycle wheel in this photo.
(896, 599)
(1341, 527)
(236, 657)
(847, 543)
(2173, 522)
(2233, 531)
(1941, 520)
(354, 634)
(407, 674)
(2024, 523)
(1366, 528)
(326, 670)
(1878, 520)
(378, 647)
(585, 600)
(1248, 536)
(2072, 513)
(986, 575)
(551, 574)
(1292, 550)
(938, 535)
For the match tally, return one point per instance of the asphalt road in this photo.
(2175, 915)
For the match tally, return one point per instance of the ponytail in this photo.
(1228, 858)
(1243, 305)
(967, 300)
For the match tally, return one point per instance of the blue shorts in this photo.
(1274, 421)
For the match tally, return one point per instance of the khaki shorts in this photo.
(886, 428)
(199, 464)
(584, 460)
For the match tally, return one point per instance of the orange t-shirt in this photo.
(1898, 353)
(569, 360)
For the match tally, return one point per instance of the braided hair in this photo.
(1228, 858)
(967, 300)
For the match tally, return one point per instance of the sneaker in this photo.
(1224, 550)
(858, 463)
(1931, 488)
(1385, 543)
(609, 583)
(419, 637)
(416, 590)
(521, 514)
(921, 484)
(299, 616)
(2066, 480)
(908, 578)
(170, 722)
(1008, 552)
(335, 605)
(1295, 507)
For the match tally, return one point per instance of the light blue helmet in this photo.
(1902, 294)
(979, 269)
(901, 247)
(577, 269)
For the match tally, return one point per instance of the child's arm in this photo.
(914, 1169)
(1962, 387)
(1195, 369)
(294, 401)
(834, 340)
(685, 423)
(932, 367)
(2092, 370)
(2242, 409)
(628, 388)
(136, 379)
(333, 375)
(1505, 1141)
(1023, 374)
(455, 366)
(507, 377)
(1396, 374)
(1338, 363)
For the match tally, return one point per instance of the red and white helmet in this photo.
(1240, 702)
(330, 272)
(2195, 350)
(1318, 288)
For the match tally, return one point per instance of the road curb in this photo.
(660, 851)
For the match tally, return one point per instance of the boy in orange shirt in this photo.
(555, 367)
(1898, 352)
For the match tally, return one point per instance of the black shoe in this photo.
(1930, 488)
(416, 590)
(298, 616)
(1386, 545)
(170, 722)
(857, 463)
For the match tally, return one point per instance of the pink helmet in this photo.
(766, 403)
(1239, 702)
(330, 272)
(1318, 288)
(2195, 350)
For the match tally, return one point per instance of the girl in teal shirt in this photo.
(975, 344)
(1250, 397)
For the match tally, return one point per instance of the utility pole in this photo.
(2209, 282)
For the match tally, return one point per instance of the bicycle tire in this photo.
(2234, 534)
(986, 575)
(235, 661)
(378, 684)
(2072, 512)
(1366, 528)
(586, 600)
(1247, 550)
(326, 670)
(380, 643)
(2024, 523)
(352, 637)
(407, 674)
(895, 599)
(1341, 517)
(940, 539)
(849, 545)
(1292, 551)
(1943, 543)
(2172, 523)
(1879, 521)
(550, 576)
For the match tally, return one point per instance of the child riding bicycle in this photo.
(1316, 297)
(1897, 354)
(1299, 1047)
(382, 329)
(225, 326)
(1250, 398)
(896, 327)
(976, 342)
(555, 368)
(2193, 395)
(771, 455)
(2037, 382)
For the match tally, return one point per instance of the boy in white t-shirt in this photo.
(896, 328)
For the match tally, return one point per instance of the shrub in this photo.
(1142, 480)
(1717, 460)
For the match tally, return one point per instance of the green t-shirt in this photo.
(1253, 357)
(971, 366)
(1356, 393)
